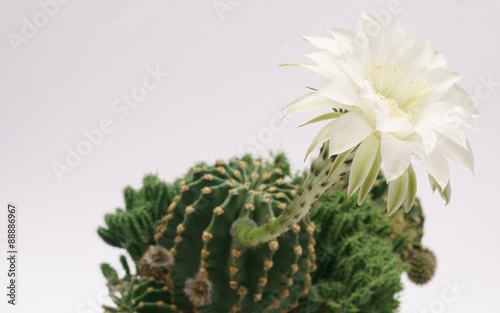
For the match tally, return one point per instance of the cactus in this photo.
(422, 267)
(134, 227)
(407, 235)
(361, 253)
(343, 258)
(210, 271)
(358, 270)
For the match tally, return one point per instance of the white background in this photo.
(224, 86)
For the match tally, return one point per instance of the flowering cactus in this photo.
(388, 98)
(241, 236)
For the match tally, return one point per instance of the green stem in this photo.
(319, 180)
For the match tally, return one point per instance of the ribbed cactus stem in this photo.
(325, 172)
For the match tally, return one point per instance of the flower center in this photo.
(399, 91)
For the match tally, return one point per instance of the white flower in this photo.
(392, 97)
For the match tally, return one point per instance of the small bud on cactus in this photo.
(422, 267)
(157, 256)
(199, 290)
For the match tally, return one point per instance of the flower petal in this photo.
(445, 118)
(353, 67)
(370, 27)
(398, 189)
(437, 60)
(458, 154)
(327, 60)
(453, 133)
(445, 194)
(370, 178)
(443, 78)
(341, 157)
(433, 183)
(345, 39)
(363, 162)
(414, 59)
(395, 124)
(348, 131)
(412, 189)
(436, 165)
(309, 102)
(396, 156)
(326, 43)
(322, 136)
(341, 91)
(312, 67)
(327, 116)
(398, 38)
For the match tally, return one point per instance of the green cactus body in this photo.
(361, 253)
(407, 233)
(357, 269)
(134, 227)
(212, 272)
(181, 239)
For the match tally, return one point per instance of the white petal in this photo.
(323, 117)
(454, 133)
(412, 189)
(339, 160)
(397, 193)
(312, 67)
(429, 139)
(445, 118)
(398, 37)
(458, 95)
(437, 165)
(414, 59)
(328, 61)
(395, 124)
(457, 153)
(368, 93)
(341, 91)
(432, 114)
(363, 162)
(322, 136)
(325, 43)
(443, 78)
(396, 156)
(437, 60)
(446, 194)
(433, 183)
(467, 108)
(309, 102)
(353, 67)
(370, 26)
(345, 39)
(370, 178)
(347, 131)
